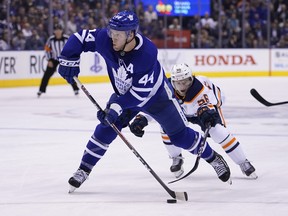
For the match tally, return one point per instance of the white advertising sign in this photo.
(217, 60)
(32, 64)
(279, 60)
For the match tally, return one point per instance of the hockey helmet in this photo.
(124, 21)
(180, 72)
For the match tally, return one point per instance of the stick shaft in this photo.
(177, 195)
(199, 153)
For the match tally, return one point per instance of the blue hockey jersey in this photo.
(135, 77)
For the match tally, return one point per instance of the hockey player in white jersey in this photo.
(140, 85)
(198, 95)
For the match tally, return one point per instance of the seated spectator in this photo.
(284, 29)
(193, 42)
(19, 41)
(27, 32)
(233, 42)
(205, 40)
(4, 45)
(42, 32)
(34, 42)
(207, 20)
(282, 13)
(275, 33)
(258, 31)
(150, 14)
(234, 23)
(71, 24)
(159, 30)
(175, 25)
(283, 42)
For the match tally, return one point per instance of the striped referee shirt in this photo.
(54, 46)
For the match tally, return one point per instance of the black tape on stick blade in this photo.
(171, 201)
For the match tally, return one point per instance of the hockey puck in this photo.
(171, 201)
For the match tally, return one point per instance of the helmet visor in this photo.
(182, 85)
(119, 35)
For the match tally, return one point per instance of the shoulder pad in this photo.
(194, 90)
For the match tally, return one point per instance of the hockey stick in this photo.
(258, 97)
(199, 153)
(176, 195)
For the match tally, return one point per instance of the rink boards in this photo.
(25, 68)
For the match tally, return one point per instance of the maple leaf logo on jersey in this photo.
(123, 77)
(130, 17)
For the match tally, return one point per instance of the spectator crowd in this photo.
(29, 22)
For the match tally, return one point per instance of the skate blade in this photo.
(71, 189)
(253, 176)
(179, 173)
(229, 181)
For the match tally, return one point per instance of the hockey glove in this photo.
(138, 124)
(193, 119)
(208, 115)
(110, 115)
(101, 116)
(68, 68)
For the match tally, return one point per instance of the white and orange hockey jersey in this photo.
(203, 91)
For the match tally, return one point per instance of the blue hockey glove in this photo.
(136, 127)
(110, 114)
(68, 68)
(208, 115)
(101, 116)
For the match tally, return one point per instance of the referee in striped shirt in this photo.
(53, 47)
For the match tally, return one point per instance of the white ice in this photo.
(42, 140)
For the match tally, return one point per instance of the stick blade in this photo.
(258, 97)
(181, 196)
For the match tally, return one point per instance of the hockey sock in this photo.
(228, 142)
(93, 153)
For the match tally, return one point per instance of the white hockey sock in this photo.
(237, 155)
(173, 151)
(229, 143)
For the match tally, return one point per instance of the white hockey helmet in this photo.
(180, 72)
(181, 78)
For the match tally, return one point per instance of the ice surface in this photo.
(42, 140)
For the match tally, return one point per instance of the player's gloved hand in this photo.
(193, 119)
(101, 116)
(208, 115)
(109, 115)
(137, 125)
(68, 68)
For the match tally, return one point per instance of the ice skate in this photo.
(77, 179)
(39, 93)
(248, 169)
(176, 167)
(221, 168)
(76, 92)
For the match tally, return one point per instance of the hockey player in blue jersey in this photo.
(139, 83)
